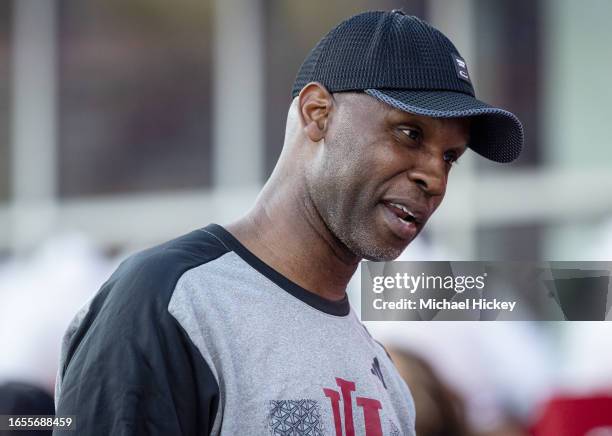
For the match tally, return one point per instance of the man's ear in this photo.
(315, 104)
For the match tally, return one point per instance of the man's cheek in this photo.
(438, 200)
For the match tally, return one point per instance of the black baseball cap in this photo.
(408, 64)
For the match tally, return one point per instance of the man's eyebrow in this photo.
(396, 118)
(403, 118)
(400, 117)
(397, 114)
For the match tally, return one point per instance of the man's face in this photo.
(381, 173)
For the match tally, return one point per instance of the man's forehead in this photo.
(377, 110)
(395, 114)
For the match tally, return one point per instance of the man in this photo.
(247, 330)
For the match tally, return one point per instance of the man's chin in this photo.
(383, 257)
(368, 245)
(382, 253)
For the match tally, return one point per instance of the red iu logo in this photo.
(370, 408)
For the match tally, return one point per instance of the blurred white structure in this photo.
(40, 294)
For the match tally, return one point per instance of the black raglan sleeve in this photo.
(130, 369)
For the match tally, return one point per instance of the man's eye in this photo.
(450, 157)
(413, 134)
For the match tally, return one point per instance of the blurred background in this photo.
(124, 123)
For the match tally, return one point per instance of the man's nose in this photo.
(430, 176)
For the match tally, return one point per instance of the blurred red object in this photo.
(575, 416)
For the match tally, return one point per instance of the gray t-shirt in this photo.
(198, 336)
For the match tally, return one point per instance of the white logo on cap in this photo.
(461, 68)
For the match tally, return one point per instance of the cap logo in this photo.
(461, 68)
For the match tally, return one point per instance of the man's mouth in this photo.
(403, 212)
(403, 220)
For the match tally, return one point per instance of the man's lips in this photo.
(407, 211)
(403, 220)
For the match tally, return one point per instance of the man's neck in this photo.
(291, 237)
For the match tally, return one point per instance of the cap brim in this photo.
(495, 133)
